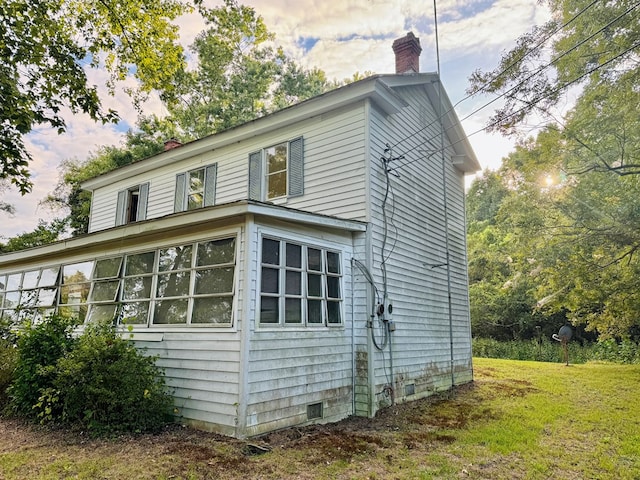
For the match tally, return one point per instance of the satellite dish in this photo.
(563, 336)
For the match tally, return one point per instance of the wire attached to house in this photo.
(497, 75)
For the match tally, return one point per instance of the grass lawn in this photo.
(516, 420)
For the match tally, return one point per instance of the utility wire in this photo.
(529, 105)
(504, 70)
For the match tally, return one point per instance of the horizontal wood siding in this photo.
(415, 244)
(333, 171)
(290, 368)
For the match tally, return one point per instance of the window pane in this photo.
(270, 251)
(333, 312)
(314, 259)
(333, 262)
(196, 180)
(11, 299)
(294, 283)
(107, 267)
(140, 263)
(77, 312)
(47, 297)
(314, 311)
(74, 294)
(102, 313)
(105, 291)
(49, 277)
(9, 316)
(30, 279)
(294, 255)
(175, 258)
(135, 313)
(3, 282)
(77, 273)
(270, 282)
(216, 280)
(28, 298)
(195, 200)
(314, 287)
(277, 158)
(212, 310)
(173, 284)
(216, 252)
(277, 185)
(269, 310)
(170, 311)
(293, 310)
(136, 288)
(13, 281)
(333, 287)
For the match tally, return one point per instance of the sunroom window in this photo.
(300, 285)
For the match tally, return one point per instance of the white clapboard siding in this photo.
(333, 149)
(290, 368)
(416, 236)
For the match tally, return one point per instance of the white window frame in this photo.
(304, 296)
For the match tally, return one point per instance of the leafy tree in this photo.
(68, 194)
(239, 75)
(45, 47)
(576, 209)
(43, 234)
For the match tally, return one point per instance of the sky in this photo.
(341, 37)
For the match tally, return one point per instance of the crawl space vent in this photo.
(410, 389)
(314, 410)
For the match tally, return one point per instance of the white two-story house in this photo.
(302, 267)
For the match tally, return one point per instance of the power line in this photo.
(530, 105)
(505, 69)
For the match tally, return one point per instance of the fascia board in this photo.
(149, 229)
(372, 87)
(452, 126)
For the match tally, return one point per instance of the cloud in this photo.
(347, 37)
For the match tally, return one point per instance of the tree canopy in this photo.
(569, 202)
(240, 74)
(46, 46)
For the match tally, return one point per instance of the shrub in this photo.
(40, 347)
(106, 385)
(8, 359)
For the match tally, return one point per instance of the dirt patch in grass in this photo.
(429, 436)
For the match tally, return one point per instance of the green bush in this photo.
(545, 350)
(40, 347)
(8, 359)
(98, 381)
(106, 385)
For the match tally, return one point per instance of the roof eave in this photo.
(375, 89)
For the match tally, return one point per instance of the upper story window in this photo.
(132, 204)
(196, 188)
(277, 171)
(300, 285)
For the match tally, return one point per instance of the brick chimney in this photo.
(171, 144)
(407, 50)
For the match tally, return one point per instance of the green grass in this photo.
(518, 420)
